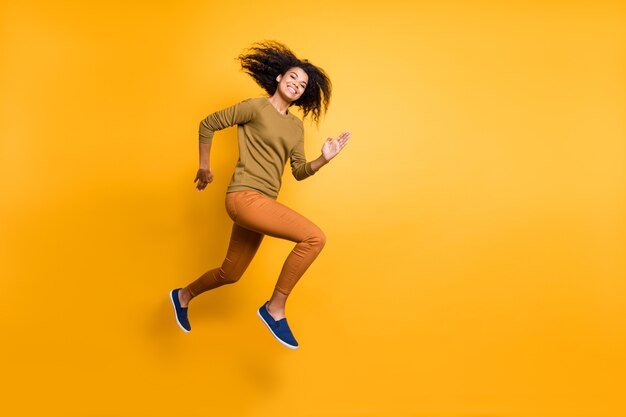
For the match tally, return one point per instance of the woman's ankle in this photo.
(184, 297)
(276, 311)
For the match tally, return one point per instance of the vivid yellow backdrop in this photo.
(476, 222)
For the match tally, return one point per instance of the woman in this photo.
(268, 135)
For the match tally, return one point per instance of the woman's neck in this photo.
(279, 104)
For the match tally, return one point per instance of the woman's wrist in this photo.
(318, 163)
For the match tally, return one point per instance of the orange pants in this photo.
(255, 216)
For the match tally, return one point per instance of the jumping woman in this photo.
(268, 135)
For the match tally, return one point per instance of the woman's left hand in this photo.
(333, 146)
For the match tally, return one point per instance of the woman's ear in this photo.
(280, 77)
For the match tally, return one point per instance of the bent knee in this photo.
(317, 239)
(322, 238)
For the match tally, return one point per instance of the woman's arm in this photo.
(238, 114)
(302, 169)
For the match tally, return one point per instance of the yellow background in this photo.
(476, 222)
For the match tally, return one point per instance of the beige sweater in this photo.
(266, 139)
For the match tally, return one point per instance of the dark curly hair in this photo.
(264, 61)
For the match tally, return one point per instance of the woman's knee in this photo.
(317, 239)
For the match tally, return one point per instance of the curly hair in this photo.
(264, 61)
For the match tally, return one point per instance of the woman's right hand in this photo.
(203, 178)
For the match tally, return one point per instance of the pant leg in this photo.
(263, 215)
(243, 245)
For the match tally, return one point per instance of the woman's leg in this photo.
(243, 245)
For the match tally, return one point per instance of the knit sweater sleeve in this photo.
(238, 114)
(300, 168)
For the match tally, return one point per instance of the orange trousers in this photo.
(254, 216)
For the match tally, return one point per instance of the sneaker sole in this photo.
(258, 313)
(175, 314)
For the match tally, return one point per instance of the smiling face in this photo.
(292, 83)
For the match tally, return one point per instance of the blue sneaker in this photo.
(280, 329)
(181, 312)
